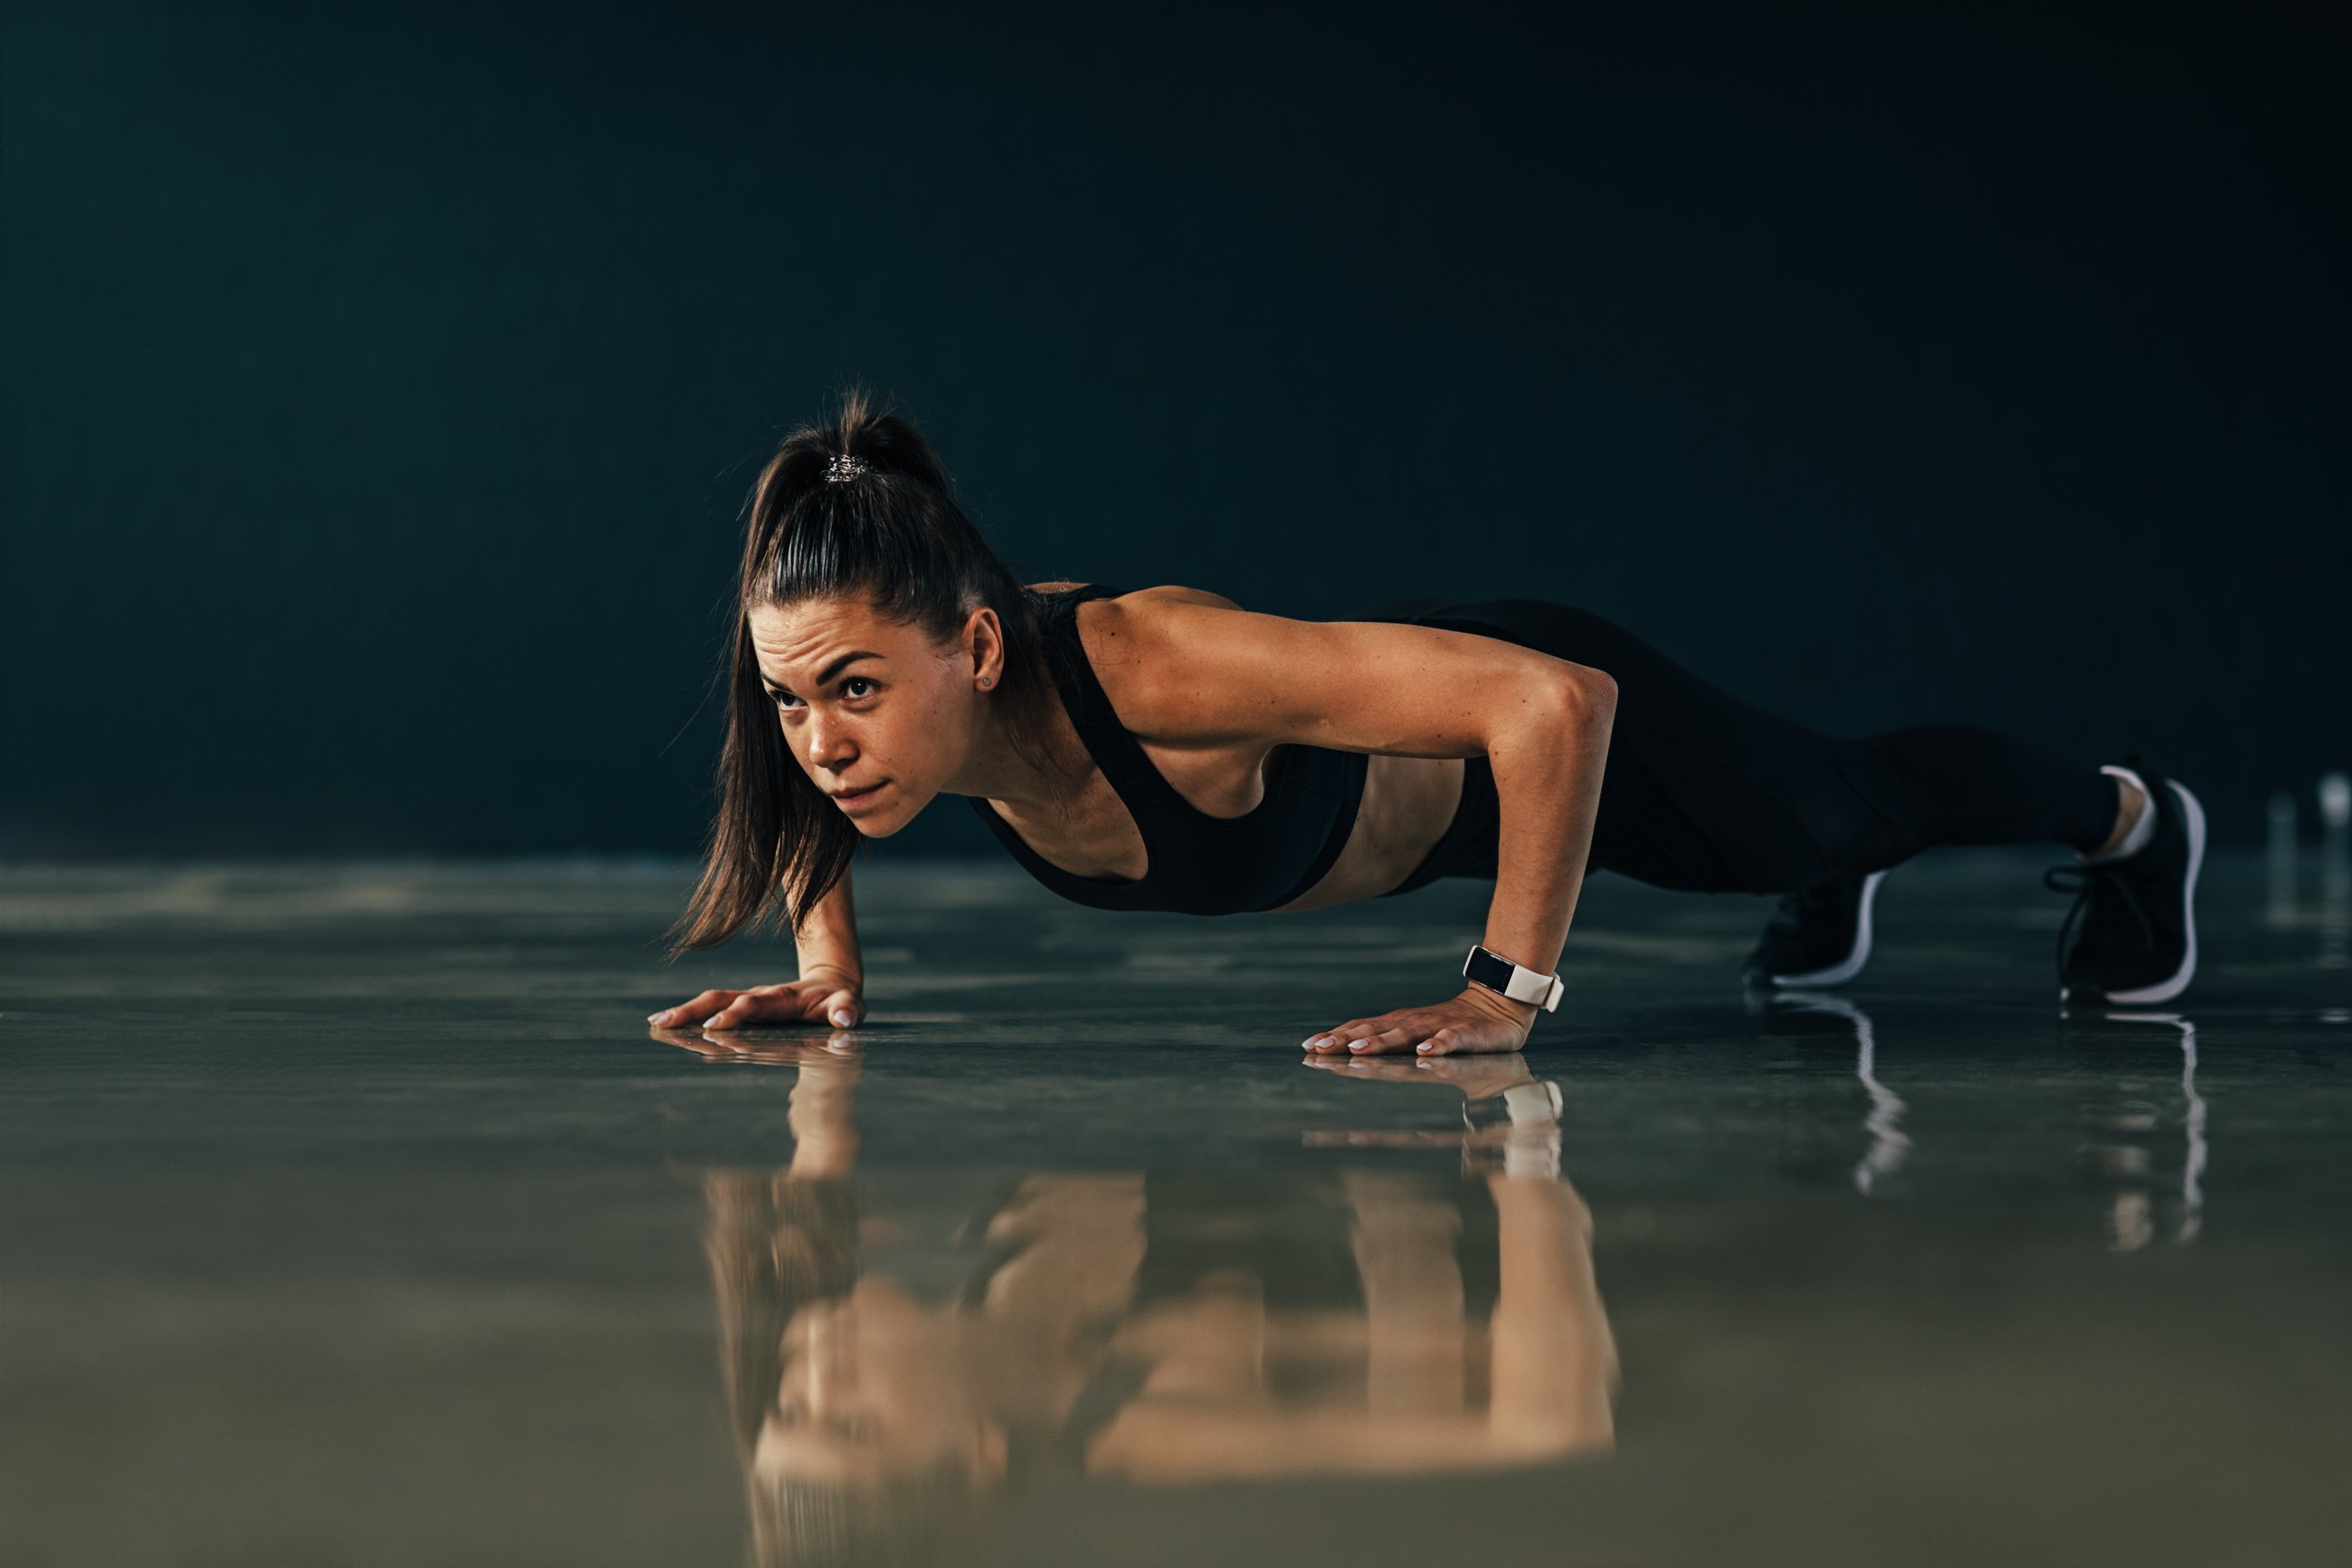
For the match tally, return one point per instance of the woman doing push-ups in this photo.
(1163, 748)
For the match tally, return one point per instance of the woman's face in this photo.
(869, 705)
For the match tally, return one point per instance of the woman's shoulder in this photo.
(1118, 634)
(1140, 646)
(1162, 593)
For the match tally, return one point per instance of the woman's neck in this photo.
(997, 770)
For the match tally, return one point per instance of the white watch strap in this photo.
(1533, 1102)
(1526, 985)
(1533, 1153)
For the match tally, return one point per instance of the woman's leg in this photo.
(1708, 793)
(1962, 784)
(1705, 792)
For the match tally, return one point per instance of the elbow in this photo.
(1570, 699)
(1600, 688)
(1586, 697)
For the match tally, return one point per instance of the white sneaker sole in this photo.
(1846, 968)
(2192, 817)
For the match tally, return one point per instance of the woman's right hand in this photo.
(821, 995)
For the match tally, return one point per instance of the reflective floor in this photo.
(350, 1215)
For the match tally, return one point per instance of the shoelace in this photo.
(2085, 880)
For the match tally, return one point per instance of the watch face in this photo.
(1496, 972)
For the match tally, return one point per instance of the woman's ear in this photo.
(984, 647)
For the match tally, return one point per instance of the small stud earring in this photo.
(984, 681)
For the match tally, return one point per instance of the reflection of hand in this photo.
(1406, 1138)
(1478, 1077)
(1535, 1105)
(820, 1114)
(831, 995)
(810, 1050)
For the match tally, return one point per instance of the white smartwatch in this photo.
(1515, 981)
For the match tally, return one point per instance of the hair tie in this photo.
(844, 467)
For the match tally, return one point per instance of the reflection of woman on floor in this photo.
(1165, 749)
(871, 1422)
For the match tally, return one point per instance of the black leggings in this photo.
(1708, 794)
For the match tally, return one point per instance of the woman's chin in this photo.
(883, 821)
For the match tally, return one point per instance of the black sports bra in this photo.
(1196, 864)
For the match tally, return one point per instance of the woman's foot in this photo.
(1820, 935)
(2137, 912)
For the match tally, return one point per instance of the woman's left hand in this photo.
(1476, 1020)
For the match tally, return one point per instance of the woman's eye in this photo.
(785, 700)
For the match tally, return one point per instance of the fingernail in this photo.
(660, 1018)
(841, 1018)
(1426, 1046)
(1358, 1045)
(1313, 1043)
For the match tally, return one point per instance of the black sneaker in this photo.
(1820, 936)
(2137, 941)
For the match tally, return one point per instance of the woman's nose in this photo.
(828, 746)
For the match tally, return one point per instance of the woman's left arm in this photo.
(1547, 767)
(1203, 673)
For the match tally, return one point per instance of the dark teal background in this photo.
(381, 381)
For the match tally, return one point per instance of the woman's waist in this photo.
(1400, 810)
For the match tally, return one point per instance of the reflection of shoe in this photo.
(2137, 941)
(1889, 1143)
(1820, 935)
(2134, 1214)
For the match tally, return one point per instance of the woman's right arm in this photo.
(832, 988)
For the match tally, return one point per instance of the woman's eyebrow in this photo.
(825, 675)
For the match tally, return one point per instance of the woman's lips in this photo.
(862, 796)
